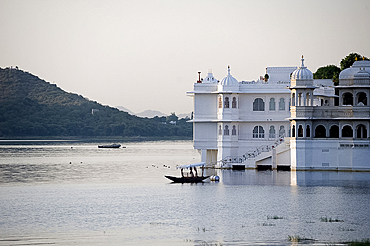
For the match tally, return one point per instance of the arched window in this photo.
(347, 131)
(361, 99)
(308, 99)
(226, 130)
(293, 131)
(293, 99)
(226, 102)
(347, 98)
(272, 132)
(334, 131)
(258, 105)
(300, 131)
(282, 131)
(258, 132)
(361, 131)
(308, 131)
(234, 102)
(219, 130)
(272, 104)
(282, 104)
(233, 131)
(320, 131)
(220, 102)
(300, 97)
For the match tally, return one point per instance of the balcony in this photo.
(330, 112)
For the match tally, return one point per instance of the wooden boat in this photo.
(192, 178)
(115, 146)
(187, 179)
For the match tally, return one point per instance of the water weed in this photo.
(363, 242)
(275, 217)
(326, 219)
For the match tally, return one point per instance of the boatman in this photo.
(196, 173)
(191, 172)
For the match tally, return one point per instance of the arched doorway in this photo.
(347, 131)
(347, 98)
(361, 131)
(320, 131)
(334, 131)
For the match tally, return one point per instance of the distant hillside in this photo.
(30, 106)
(121, 108)
(150, 113)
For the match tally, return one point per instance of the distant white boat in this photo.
(115, 146)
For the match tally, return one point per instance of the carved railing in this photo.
(251, 154)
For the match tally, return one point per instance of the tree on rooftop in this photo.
(328, 72)
(347, 61)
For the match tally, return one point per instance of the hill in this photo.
(121, 108)
(30, 106)
(151, 113)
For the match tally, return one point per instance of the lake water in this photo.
(72, 193)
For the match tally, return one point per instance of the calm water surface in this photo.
(51, 193)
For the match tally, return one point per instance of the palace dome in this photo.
(229, 79)
(349, 73)
(302, 72)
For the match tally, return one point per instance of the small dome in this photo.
(302, 72)
(229, 79)
(349, 73)
(209, 79)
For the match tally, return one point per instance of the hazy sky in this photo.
(146, 54)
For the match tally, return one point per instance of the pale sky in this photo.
(146, 54)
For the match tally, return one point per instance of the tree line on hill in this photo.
(30, 107)
(332, 71)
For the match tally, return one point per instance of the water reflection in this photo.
(293, 178)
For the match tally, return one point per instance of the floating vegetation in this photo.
(209, 243)
(297, 239)
(345, 229)
(156, 223)
(203, 229)
(266, 224)
(275, 217)
(326, 219)
(363, 242)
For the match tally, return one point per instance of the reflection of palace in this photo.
(286, 121)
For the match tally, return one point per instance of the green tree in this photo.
(328, 72)
(347, 61)
(172, 117)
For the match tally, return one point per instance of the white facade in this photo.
(326, 136)
(290, 120)
(231, 118)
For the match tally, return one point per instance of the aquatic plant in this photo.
(345, 229)
(275, 217)
(266, 224)
(297, 239)
(363, 242)
(326, 219)
(203, 229)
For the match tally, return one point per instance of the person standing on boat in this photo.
(191, 172)
(196, 173)
(182, 172)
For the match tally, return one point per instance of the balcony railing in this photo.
(330, 112)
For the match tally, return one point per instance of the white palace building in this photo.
(289, 121)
